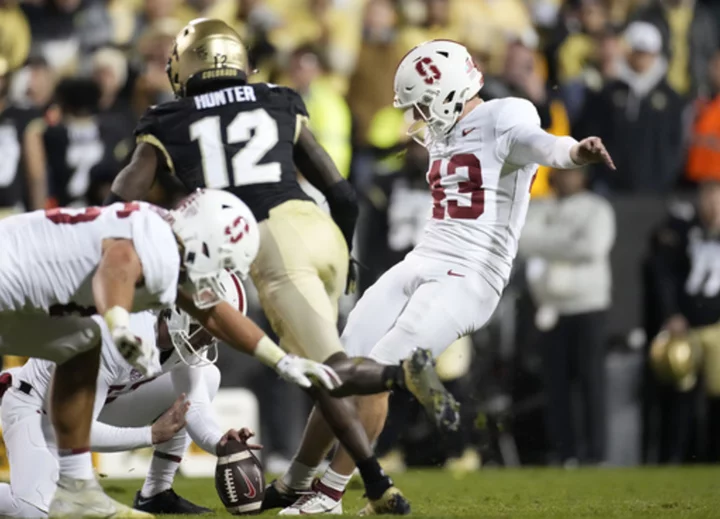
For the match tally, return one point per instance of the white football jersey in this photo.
(117, 375)
(114, 370)
(48, 258)
(480, 196)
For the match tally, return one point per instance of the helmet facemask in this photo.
(184, 331)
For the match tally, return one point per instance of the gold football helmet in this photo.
(206, 49)
(676, 359)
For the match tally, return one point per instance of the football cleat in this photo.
(168, 502)
(84, 498)
(423, 382)
(392, 502)
(320, 500)
(279, 495)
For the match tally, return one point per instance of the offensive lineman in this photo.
(483, 158)
(223, 132)
(124, 407)
(59, 267)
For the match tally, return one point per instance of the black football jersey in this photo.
(239, 138)
(13, 123)
(81, 152)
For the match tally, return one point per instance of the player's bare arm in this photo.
(316, 165)
(116, 276)
(113, 287)
(240, 333)
(136, 179)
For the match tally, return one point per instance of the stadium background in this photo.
(81, 72)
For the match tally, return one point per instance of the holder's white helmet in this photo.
(217, 231)
(436, 78)
(183, 329)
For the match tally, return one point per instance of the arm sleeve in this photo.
(521, 141)
(103, 437)
(107, 438)
(565, 244)
(202, 424)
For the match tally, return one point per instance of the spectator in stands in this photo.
(110, 72)
(154, 46)
(64, 32)
(254, 20)
(435, 22)
(639, 117)
(34, 84)
(14, 34)
(689, 40)
(18, 188)
(704, 153)
(567, 241)
(580, 47)
(83, 148)
(683, 274)
(330, 117)
(371, 85)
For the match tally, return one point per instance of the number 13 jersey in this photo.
(239, 138)
(480, 196)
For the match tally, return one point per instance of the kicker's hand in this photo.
(591, 151)
(242, 436)
(306, 373)
(171, 421)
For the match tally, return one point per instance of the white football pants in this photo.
(37, 335)
(419, 303)
(28, 436)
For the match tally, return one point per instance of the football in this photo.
(239, 479)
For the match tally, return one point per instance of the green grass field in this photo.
(533, 493)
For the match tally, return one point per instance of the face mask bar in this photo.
(179, 324)
(207, 292)
(429, 122)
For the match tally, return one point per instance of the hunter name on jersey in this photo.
(237, 138)
(225, 96)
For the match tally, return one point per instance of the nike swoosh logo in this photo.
(452, 273)
(251, 488)
(143, 502)
(466, 131)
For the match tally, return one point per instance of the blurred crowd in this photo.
(644, 75)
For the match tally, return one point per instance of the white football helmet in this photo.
(436, 78)
(183, 329)
(217, 232)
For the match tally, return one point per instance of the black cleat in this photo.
(168, 502)
(277, 495)
(423, 382)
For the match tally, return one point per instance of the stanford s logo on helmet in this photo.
(217, 232)
(436, 79)
(427, 69)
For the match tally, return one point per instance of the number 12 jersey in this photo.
(239, 138)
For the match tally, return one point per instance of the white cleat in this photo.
(320, 500)
(84, 498)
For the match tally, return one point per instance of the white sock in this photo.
(335, 481)
(76, 466)
(161, 474)
(299, 476)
